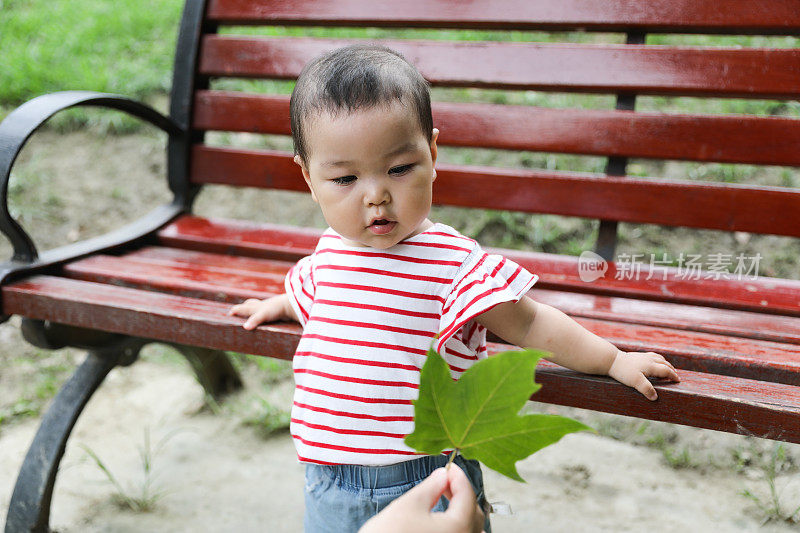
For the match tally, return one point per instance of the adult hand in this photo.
(411, 512)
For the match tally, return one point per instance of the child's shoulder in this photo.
(440, 242)
(444, 235)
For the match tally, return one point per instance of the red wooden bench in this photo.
(171, 276)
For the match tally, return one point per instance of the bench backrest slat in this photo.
(574, 131)
(748, 208)
(687, 16)
(621, 70)
(729, 72)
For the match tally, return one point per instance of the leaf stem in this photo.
(450, 460)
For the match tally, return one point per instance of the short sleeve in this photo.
(483, 281)
(300, 288)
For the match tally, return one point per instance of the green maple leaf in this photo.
(478, 415)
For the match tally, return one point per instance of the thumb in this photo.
(463, 496)
(463, 508)
(428, 492)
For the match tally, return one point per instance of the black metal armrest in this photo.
(17, 128)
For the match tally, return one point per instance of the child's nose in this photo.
(376, 194)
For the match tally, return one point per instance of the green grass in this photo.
(266, 418)
(20, 409)
(42, 373)
(270, 370)
(120, 46)
(254, 410)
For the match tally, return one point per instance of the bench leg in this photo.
(29, 510)
(213, 369)
(30, 503)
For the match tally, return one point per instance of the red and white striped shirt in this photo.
(369, 316)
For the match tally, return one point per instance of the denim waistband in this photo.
(376, 477)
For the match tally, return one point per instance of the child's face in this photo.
(371, 171)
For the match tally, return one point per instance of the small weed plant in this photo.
(771, 505)
(144, 497)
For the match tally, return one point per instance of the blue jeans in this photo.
(340, 498)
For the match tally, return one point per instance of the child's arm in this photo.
(269, 310)
(530, 324)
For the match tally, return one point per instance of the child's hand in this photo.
(260, 311)
(633, 369)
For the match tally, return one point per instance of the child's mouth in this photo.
(382, 226)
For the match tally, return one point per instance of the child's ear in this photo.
(306, 176)
(434, 149)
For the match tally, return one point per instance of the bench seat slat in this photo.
(687, 71)
(145, 314)
(714, 402)
(739, 16)
(710, 138)
(721, 206)
(237, 264)
(238, 237)
(201, 274)
(754, 359)
(185, 279)
(772, 295)
(700, 400)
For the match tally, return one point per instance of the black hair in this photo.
(353, 77)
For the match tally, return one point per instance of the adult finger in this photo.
(428, 492)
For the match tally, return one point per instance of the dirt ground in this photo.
(220, 476)
(213, 473)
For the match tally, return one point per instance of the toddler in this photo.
(383, 281)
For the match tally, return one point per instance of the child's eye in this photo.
(344, 180)
(402, 169)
